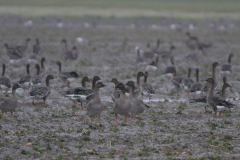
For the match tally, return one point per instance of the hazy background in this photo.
(194, 9)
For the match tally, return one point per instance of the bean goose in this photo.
(148, 53)
(23, 48)
(176, 80)
(227, 67)
(10, 104)
(66, 76)
(147, 88)
(90, 92)
(36, 48)
(95, 106)
(214, 76)
(138, 88)
(216, 102)
(41, 92)
(137, 106)
(115, 93)
(13, 55)
(187, 82)
(170, 69)
(78, 94)
(36, 79)
(70, 54)
(42, 70)
(5, 82)
(122, 106)
(153, 65)
(197, 86)
(25, 81)
(167, 54)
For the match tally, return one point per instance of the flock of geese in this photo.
(128, 97)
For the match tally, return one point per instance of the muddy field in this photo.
(171, 128)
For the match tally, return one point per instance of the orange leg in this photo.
(215, 114)
(91, 119)
(11, 117)
(206, 110)
(74, 105)
(82, 106)
(2, 115)
(126, 118)
(99, 118)
(33, 102)
(116, 118)
(142, 97)
(131, 117)
(220, 114)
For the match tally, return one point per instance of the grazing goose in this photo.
(197, 86)
(66, 76)
(217, 102)
(41, 92)
(122, 106)
(10, 104)
(5, 82)
(23, 48)
(36, 48)
(176, 80)
(167, 54)
(138, 88)
(214, 76)
(193, 43)
(147, 88)
(227, 67)
(13, 55)
(137, 106)
(36, 79)
(95, 106)
(78, 94)
(187, 82)
(153, 65)
(25, 80)
(170, 69)
(90, 92)
(70, 54)
(42, 70)
(197, 55)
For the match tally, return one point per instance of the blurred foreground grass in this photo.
(194, 9)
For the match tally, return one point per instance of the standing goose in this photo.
(187, 82)
(157, 49)
(214, 76)
(197, 55)
(197, 86)
(170, 69)
(12, 54)
(78, 94)
(42, 70)
(147, 88)
(148, 53)
(41, 92)
(95, 106)
(137, 106)
(36, 48)
(36, 79)
(69, 54)
(227, 67)
(153, 65)
(5, 82)
(167, 54)
(90, 92)
(139, 60)
(217, 102)
(10, 104)
(138, 88)
(176, 80)
(25, 80)
(66, 76)
(115, 93)
(122, 106)
(23, 48)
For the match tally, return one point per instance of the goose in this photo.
(227, 67)
(197, 55)
(148, 53)
(64, 76)
(197, 86)
(137, 106)
(36, 79)
(157, 49)
(23, 48)
(139, 60)
(217, 102)
(193, 43)
(138, 88)
(90, 92)
(167, 54)
(13, 55)
(187, 82)
(147, 88)
(78, 94)
(41, 92)
(214, 76)
(95, 106)
(25, 81)
(122, 106)
(176, 80)
(36, 48)
(153, 65)
(10, 104)
(70, 54)
(168, 72)
(5, 82)
(115, 93)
